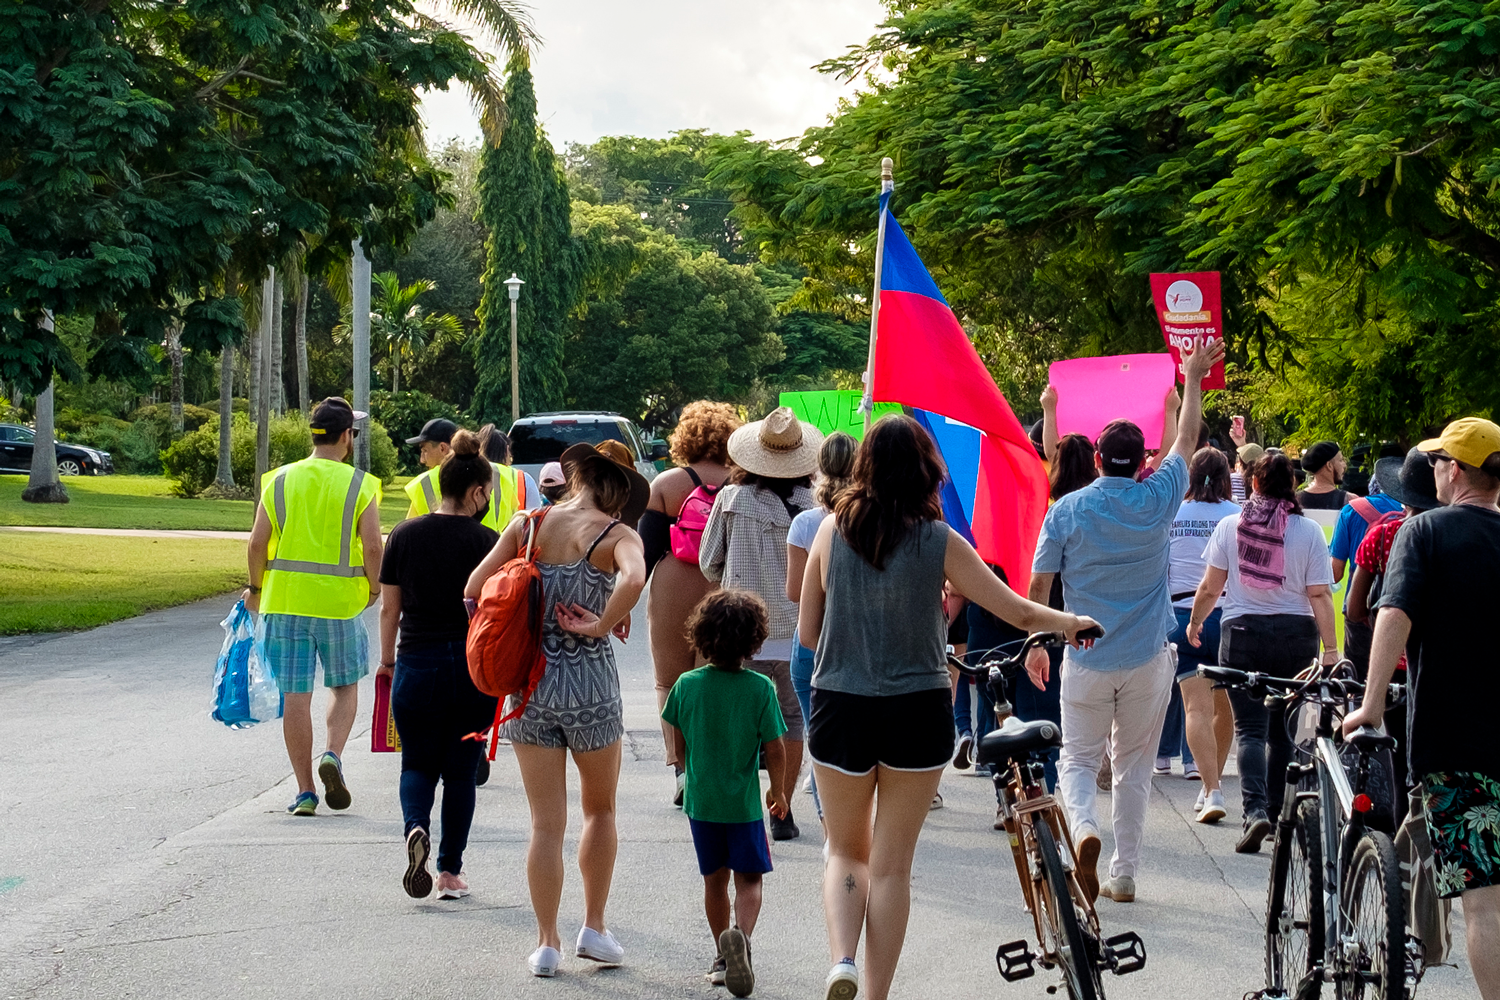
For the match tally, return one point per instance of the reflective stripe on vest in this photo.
(346, 532)
(428, 491)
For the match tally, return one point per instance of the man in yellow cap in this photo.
(1442, 584)
(309, 581)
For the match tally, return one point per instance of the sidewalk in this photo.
(133, 532)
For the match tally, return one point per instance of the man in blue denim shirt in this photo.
(1109, 542)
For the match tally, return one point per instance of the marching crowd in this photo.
(803, 591)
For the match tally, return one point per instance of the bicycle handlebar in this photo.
(1253, 681)
(1009, 663)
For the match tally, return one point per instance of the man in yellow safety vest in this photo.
(309, 582)
(511, 489)
(423, 490)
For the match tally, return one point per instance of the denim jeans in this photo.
(436, 705)
(802, 671)
(1032, 705)
(1281, 645)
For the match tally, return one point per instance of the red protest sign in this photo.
(1187, 306)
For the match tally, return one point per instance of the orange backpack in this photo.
(505, 635)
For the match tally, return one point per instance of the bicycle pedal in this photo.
(1016, 961)
(1125, 953)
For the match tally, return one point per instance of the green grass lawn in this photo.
(147, 502)
(51, 583)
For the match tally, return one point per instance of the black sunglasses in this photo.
(1433, 458)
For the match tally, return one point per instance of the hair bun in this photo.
(465, 444)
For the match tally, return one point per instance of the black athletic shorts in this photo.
(905, 732)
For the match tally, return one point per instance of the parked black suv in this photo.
(72, 460)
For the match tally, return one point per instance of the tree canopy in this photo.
(523, 203)
(662, 325)
(1337, 162)
(148, 153)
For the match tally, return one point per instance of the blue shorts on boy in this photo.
(725, 717)
(740, 847)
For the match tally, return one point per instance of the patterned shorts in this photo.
(296, 643)
(577, 705)
(1463, 819)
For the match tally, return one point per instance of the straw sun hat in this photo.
(778, 447)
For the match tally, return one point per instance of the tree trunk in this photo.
(174, 354)
(262, 403)
(395, 371)
(224, 479)
(278, 383)
(252, 356)
(44, 486)
(299, 332)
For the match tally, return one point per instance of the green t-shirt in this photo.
(725, 718)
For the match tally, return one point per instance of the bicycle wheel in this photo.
(1080, 971)
(1294, 909)
(1372, 900)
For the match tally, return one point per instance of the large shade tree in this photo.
(236, 136)
(1337, 161)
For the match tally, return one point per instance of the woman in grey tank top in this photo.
(882, 714)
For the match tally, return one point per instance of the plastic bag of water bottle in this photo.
(245, 690)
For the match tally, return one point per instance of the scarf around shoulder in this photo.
(1261, 538)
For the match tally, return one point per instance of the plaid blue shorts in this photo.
(295, 644)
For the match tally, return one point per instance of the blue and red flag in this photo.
(996, 495)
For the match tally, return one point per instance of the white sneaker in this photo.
(601, 948)
(843, 982)
(544, 962)
(1198, 803)
(937, 803)
(1213, 807)
(1190, 772)
(1163, 766)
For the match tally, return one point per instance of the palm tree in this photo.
(398, 320)
(506, 24)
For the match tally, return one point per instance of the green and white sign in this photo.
(835, 410)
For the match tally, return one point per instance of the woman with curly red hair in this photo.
(700, 449)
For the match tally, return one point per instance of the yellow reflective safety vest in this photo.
(507, 494)
(316, 564)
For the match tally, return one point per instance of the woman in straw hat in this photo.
(744, 547)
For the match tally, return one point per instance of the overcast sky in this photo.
(651, 67)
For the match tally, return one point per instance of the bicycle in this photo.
(1067, 928)
(1335, 911)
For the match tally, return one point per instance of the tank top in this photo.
(884, 631)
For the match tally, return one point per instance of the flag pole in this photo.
(887, 185)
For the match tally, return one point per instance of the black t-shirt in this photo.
(430, 559)
(1444, 573)
(1332, 500)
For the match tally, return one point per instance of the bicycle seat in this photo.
(1368, 740)
(1004, 745)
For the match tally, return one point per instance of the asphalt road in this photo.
(146, 853)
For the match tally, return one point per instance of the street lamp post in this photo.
(513, 285)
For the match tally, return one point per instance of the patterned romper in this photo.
(577, 704)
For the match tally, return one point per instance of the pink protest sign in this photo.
(1093, 391)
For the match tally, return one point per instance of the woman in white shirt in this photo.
(1272, 566)
(1209, 720)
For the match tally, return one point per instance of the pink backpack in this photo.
(687, 532)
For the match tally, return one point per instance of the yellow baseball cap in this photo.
(1471, 440)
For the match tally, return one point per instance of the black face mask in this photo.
(479, 514)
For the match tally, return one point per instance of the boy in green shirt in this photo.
(727, 715)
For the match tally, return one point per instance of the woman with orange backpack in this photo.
(592, 570)
(671, 529)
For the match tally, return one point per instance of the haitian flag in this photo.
(996, 495)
